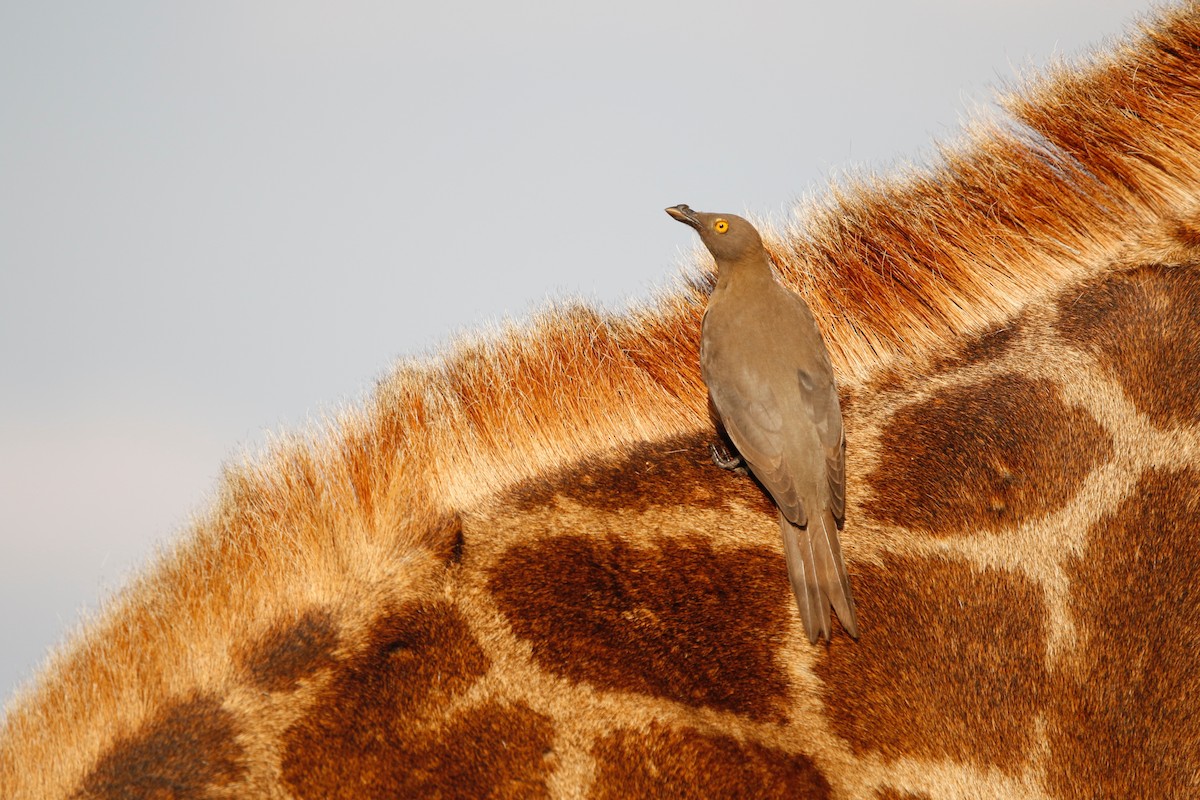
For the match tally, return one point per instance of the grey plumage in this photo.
(772, 385)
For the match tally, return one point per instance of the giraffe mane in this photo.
(892, 267)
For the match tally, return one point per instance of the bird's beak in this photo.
(685, 215)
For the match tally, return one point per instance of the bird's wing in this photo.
(827, 416)
(754, 421)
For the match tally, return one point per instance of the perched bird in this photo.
(771, 383)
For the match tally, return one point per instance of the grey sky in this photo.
(224, 218)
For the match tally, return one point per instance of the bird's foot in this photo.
(726, 460)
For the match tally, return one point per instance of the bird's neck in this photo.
(743, 273)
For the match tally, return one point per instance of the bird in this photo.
(772, 386)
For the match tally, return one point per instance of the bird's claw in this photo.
(726, 460)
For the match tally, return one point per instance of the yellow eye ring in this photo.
(720, 226)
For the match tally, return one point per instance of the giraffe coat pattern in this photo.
(516, 572)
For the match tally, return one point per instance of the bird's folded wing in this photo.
(827, 416)
(755, 425)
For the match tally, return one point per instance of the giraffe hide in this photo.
(515, 572)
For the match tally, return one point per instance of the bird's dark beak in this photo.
(685, 215)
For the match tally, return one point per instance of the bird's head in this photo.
(728, 237)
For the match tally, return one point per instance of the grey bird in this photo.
(771, 383)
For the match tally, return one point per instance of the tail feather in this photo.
(831, 570)
(818, 575)
(802, 570)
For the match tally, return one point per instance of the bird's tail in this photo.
(818, 575)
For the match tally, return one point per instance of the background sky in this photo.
(222, 219)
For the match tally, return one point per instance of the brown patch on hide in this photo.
(377, 729)
(493, 751)
(950, 664)
(896, 794)
(986, 347)
(677, 620)
(188, 748)
(1186, 231)
(669, 473)
(449, 540)
(1141, 326)
(847, 402)
(683, 763)
(988, 455)
(1123, 719)
(989, 346)
(291, 650)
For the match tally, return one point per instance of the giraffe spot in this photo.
(420, 656)
(493, 750)
(290, 650)
(446, 537)
(950, 664)
(987, 455)
(674, 472)
(1141, 326)
(896, 794)
(456, 546)
(1186, 231)
(187, 749)
(989, 346)
(1123, 719)
(380, 727)
(683, 763)
(986, 347)
(678, 621)
(848, 402)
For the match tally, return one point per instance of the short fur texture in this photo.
(515, 573)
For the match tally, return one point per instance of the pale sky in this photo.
(222, 219)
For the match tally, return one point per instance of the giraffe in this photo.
(516, 573)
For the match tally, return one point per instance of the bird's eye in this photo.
(720, 226)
